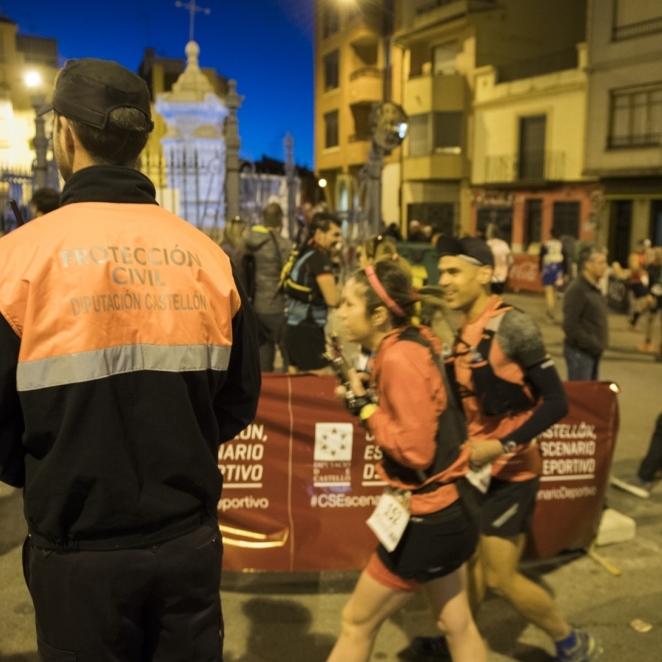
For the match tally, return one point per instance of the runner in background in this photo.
(421, 432)
(653, 300)
(510, 393)
(503, 258)
(638, 281)
(552, 261)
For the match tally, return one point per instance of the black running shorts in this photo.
(508, 508)
(306, 346)
(433, 546)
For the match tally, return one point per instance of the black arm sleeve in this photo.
(236, 401)
(554, 405)
(12, 451)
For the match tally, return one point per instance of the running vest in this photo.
(297, 285)
(451, 434)
(496, 397)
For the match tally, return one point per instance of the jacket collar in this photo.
(108, 184)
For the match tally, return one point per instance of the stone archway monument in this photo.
(194, 146)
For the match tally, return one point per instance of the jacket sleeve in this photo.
(235, 403)
(407, 427)
(12, 451)
(575, 331)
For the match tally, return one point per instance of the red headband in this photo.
(381, 292)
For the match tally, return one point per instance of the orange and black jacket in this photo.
(127, 355)
(423, 451)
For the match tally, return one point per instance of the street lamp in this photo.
(322, 183)
(34, 83)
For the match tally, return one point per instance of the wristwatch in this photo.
(509, 446)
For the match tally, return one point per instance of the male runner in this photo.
(511, 393)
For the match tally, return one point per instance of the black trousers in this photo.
(161, 603)
(652, 463)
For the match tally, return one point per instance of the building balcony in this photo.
(366, 85)
(426, 94)
(365, 22)
(435, 166)
(536, 167)
(425, 13)
(634, 30)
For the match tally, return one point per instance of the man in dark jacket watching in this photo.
(585, 317)
(128, 354)
(271, 251)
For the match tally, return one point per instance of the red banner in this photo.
(300, 482)
(525, 274)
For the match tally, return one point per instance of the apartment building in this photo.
(445, 43)
(624, 120)
(528, 154)
(352, 52)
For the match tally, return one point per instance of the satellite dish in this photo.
(389, 125)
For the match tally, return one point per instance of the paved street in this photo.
(283, 619)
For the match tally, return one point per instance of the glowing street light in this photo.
(322, 183)
(33, 79)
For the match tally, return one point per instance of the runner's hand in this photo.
(484, 451)
(357, 381)
(340, 393)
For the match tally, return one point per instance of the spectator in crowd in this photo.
(551, 268)
(44, 200)
(638, 281)
(503, 258)
(269, 251)
(311, 290)
(378, 248)
(569, 244)
(654, 299)
(585, 317)
(393, 231)
(415, 233)
(233, 244)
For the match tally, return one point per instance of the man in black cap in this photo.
(510, 393)
(127, 355)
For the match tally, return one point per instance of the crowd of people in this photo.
(114, 400)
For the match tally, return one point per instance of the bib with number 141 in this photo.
(390, 518)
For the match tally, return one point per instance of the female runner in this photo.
(425, 454)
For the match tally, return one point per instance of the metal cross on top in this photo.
(193, 9)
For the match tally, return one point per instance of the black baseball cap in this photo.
(472, 249)
(88, 90)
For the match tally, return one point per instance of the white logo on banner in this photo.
(332, 465)
(333, 442)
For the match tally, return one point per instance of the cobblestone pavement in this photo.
(296, 619)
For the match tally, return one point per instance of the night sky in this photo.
(267, 45)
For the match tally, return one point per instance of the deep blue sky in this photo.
(267, 45)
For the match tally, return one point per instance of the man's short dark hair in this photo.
(120, 143)
(323, 221)
(45, 200)
(272, 215)
(587, 252)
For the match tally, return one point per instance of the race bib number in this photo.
(391, 517)
(481, 479)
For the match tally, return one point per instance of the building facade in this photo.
(354, 62)
(624, 122)
(431, 60)
(528, 157)
(446, 43)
